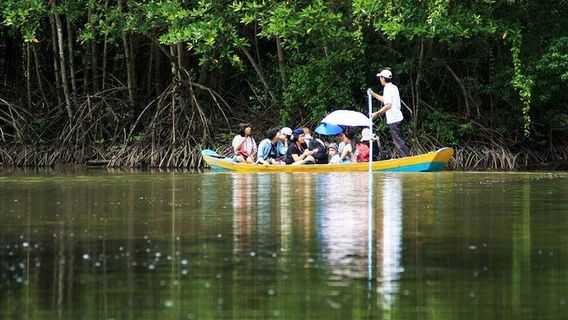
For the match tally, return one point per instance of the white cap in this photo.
(287, 131)
(385, 74)
(367, 135)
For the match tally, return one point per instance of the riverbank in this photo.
(189, 157)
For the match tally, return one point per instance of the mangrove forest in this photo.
(150, 83)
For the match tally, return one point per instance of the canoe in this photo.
(429, 162)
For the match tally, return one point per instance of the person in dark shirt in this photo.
(319, 148)
(298, 152)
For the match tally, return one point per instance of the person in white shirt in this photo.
(391, 107)
(244, 145)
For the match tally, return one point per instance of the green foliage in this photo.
(316, 88)
(440, 19)
(501, 63)
(444, 128)
(521, 82)
(24, 16)
(323, 51)
(138, 137)
(209, 29)
(551, 71)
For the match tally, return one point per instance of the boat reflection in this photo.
(331, 211)
(343, 225)
(242, 207)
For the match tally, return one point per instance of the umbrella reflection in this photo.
(390, 239)
(343, 227)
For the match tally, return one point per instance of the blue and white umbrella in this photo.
(328, 129)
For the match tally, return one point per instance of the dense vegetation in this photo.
(152, 82)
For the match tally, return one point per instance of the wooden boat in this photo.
(429, 162)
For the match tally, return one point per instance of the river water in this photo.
(175, 245)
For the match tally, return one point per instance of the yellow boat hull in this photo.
(429, 162)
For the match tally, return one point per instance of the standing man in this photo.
(391, 107)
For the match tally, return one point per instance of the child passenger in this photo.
(362, 148)
(333, 154)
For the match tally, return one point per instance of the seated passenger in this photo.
(285, 139)
(318, 146)
(362, 149)
(340, 142)
(244, 145)
(298, 152)
(333, 154)
(268, 149)
(348, 152)
(307, 135)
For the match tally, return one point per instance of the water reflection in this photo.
(342, 219)
(242, 218)
(283, 209)
(289, 246)
(390, 246)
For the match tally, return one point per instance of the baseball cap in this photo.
(298, 132)
(287, 131)
(385, 74)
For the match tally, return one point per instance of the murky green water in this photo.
(140, 245)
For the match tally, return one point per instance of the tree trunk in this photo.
(3, 70)
(129, 64)
(281, 62)
(256, 46)
(86, 70)
(203, 73)
(62, 61)
(71, 57)
(462, 87)
(94, 51)
(417, 86)
(258, 72)
(105, 48)
(175, 80)
(28, 80)
(55, 59)
(150, 70)
(104, 72)
(129, 67)
(158, 72)
(38, 76)
(181, 66)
